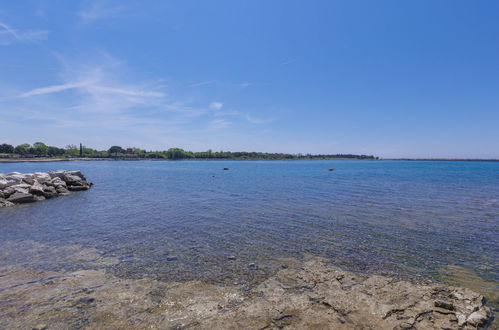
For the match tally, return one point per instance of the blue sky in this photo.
(390, 78)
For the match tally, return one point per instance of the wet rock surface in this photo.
(313, 296)
(17, 188)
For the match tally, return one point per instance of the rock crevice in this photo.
(17, 188)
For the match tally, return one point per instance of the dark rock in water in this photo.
(19, 197)
(78, 188)
(171, 258)
(330, 169)
(17, 188)
(226, 168)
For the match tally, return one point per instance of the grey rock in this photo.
(30, 187)
(5, 203)
(19, 197)
(36, 189)
(478, 318)
(8, 191)
(42, 177)
(78, 188)
(57, 182)
(62, 191)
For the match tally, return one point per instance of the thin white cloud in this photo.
(9, 35)
(216, 105)
(249, 118)
(50, 89)
(129, 92)
(99, 10)
(219, 124)
(257, 120)
(203, 83)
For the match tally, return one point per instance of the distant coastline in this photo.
(49, 159)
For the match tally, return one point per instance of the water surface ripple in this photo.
(192, 220)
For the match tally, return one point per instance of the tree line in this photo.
(40, 149)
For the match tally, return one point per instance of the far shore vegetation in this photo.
(41, 150)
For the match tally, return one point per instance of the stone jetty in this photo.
(17, 188)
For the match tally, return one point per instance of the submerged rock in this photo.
(18, 188)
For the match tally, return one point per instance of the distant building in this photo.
(130, 151)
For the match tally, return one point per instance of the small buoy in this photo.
(330, 169)
(226, 168)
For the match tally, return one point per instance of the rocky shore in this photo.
(17, 188)
(314, 296)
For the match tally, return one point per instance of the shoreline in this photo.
(49, 160)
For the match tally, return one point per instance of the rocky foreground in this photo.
(314, 296)
(17, 188)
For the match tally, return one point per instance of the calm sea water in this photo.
(192, 220)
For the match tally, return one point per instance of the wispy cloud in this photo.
(9, 35)
(219, 124)
(50, 89)
(203, 83)
(97, 10)
(216, 105)
(245, 84)
(246, 116)
(257, 120)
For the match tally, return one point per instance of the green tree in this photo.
(72, 150)
(6, 148)
(115, 150)
(40, 149)
(54, 151)
(22, 149)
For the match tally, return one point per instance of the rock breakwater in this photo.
(17, 188)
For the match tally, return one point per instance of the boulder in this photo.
(78, 174)
(19, 197)
(49, 192)
(22, 188)
(8, 181)
(72, 179)
(5, 203)
(78, 188)
(8, 191)
(57, 182)
(36, 189)
(42, 177)
(57, 174)
(62, 190)
(29, 179)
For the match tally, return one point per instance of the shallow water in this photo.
(188, 220)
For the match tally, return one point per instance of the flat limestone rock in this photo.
(314, 296)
